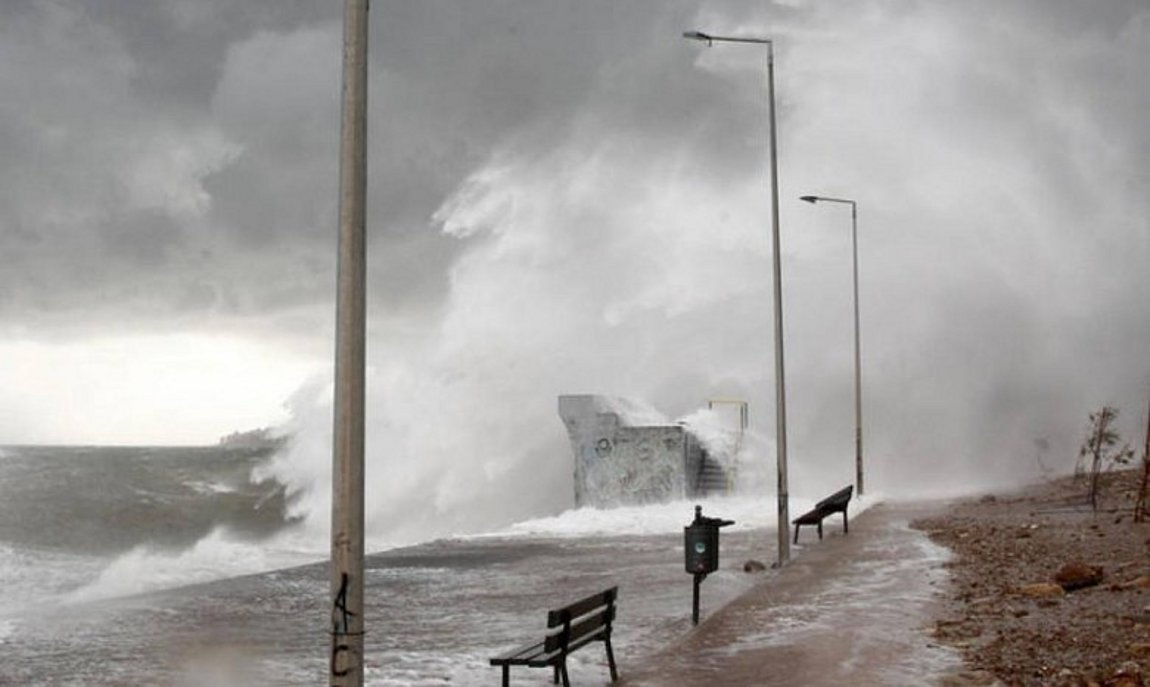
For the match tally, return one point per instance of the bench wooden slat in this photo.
(537, 657)
(810, 518)
(582, 607)
(521, 656)
(838, 499)
(540, 654)
(592, 624)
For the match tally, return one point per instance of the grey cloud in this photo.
(451, 82)
(999, 151)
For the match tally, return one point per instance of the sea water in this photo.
(87, 522)
(146, 566)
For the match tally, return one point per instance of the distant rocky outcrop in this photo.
(262, 438)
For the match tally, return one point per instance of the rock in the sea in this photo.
(1042, 590)
(753, 566)
(1078, 575)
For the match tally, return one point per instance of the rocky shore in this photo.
(1044, 589)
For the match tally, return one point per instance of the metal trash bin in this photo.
(701, 551)
(701, 548)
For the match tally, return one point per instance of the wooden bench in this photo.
(568, 629)
(835, 503)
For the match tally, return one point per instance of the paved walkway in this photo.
(849, 610)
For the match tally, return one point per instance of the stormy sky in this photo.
(568, 197)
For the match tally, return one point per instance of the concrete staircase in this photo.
(712, 479)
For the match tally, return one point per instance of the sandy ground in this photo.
(1005, 613)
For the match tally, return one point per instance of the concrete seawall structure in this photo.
(627, 453)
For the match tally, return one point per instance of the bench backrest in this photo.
(582, 619)
(837, 500)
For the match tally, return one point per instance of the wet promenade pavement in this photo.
(849, 610)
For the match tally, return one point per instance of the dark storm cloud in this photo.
(141, 142)
(180, 44)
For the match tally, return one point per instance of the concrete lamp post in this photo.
(780, 383)
(858, 357)
(345, 660)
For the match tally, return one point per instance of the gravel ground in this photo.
(1004, 610)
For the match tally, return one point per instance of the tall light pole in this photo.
(345, 660)
(858, 357)
(780, 383)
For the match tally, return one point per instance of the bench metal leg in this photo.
(563, 672)
(820, 530)
(555, 673)
(846, 528)
(797, 528)
(611, 660)
(506, 675)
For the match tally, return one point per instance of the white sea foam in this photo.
(467, 434)
(204, 487)
(633, 412)
(666, 518)
(221, 554)
(716, 433)
(37, 578)
(216, 556)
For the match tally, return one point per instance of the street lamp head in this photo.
(810, 199)
(698, 36)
